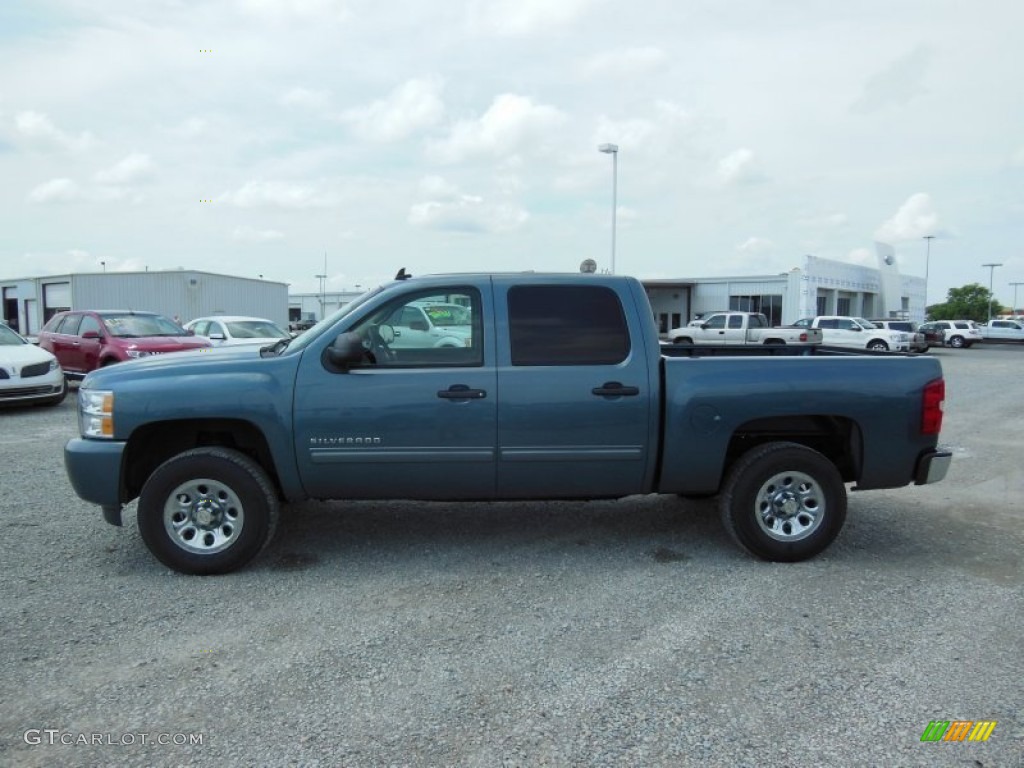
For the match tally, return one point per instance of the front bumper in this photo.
(94, 469)
(932, 466)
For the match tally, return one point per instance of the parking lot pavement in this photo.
(626, 632)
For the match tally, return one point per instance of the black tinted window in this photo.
(70, 324)
(566, 325)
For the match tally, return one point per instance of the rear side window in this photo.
(566, 325)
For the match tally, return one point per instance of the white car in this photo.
(959, 333)
(236, 330)
(425, 324)
(28, 374)
(1003, 330)
(856, 332)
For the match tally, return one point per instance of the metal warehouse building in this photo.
(183, 293)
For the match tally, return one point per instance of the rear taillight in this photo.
(931, 407)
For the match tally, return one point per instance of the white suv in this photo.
(959, 333)
(856, 332)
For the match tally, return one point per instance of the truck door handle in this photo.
(462, 392)
(615, 389)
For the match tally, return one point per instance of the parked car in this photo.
(85, 340)
(959, 333)
(934, 334)
(235, 330)
(918, 341)
(28, 374)
(741, 328)
(1003, 330)
(431, 324)
(856, 332)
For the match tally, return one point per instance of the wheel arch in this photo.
(152, 444)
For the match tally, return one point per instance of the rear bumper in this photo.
(932, 466)
(94, 469)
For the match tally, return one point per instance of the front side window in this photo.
(566, 325)
(716, 321)
(89, 323)
(426, 329)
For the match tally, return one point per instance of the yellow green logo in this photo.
(958, 730)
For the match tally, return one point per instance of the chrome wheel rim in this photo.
(203, 516)
(790, 506)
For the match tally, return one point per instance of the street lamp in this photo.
(613, 150)
(104, 265)
(323, 296)
(927, 258)
(1015, 313)
(991, 272)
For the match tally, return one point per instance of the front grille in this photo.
(37, 369)
(13, 394)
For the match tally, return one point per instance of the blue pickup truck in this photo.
(553, 387)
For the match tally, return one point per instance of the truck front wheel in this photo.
(783, 501)
(207, 510)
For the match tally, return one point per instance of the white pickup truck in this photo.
(741, 328)
(856, 332)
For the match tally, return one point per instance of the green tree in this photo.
(970, 302)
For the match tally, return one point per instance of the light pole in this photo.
(1015, 297)
(927, 258)
(613, 150)
(991, 273)
(104, 265)
(323, 296)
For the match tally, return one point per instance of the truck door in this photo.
(735, 333)
(713, 330)
(417, 422)
(574, 418)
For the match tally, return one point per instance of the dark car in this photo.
(85, 340)
(934, 334)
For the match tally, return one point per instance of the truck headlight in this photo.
(96, 413)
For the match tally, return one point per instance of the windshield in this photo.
(255, 329)
(130, 326)
(9, 338)
(865, 324)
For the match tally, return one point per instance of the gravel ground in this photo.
(627, 632)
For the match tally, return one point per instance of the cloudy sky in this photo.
(252, 137)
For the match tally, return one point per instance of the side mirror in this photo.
(216, 336)
(91, 335)
(347, 350)
(418, 325)
(189, 332)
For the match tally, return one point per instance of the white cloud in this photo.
(864, 256)
(276, 193)
(192, 127)
(438, 188)
(625, 62)
(467, 213)
(38, 127)
(411, 107)
(55, 191)
(510, 124)
(1017, 158)
(896, 85)
(133, 169)
(306, 99)
(523, 17)
(251, 235)
(300, 10)
(754, 245)
(824, 221)
(739, 168)
(912, 221)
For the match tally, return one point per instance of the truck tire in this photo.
(207, 510)
(783, 502)
(878, 345)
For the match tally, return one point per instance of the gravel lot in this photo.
(617, 633)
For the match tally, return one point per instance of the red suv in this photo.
(84, 341)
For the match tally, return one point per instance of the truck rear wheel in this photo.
(783, 502)
(207, 510)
